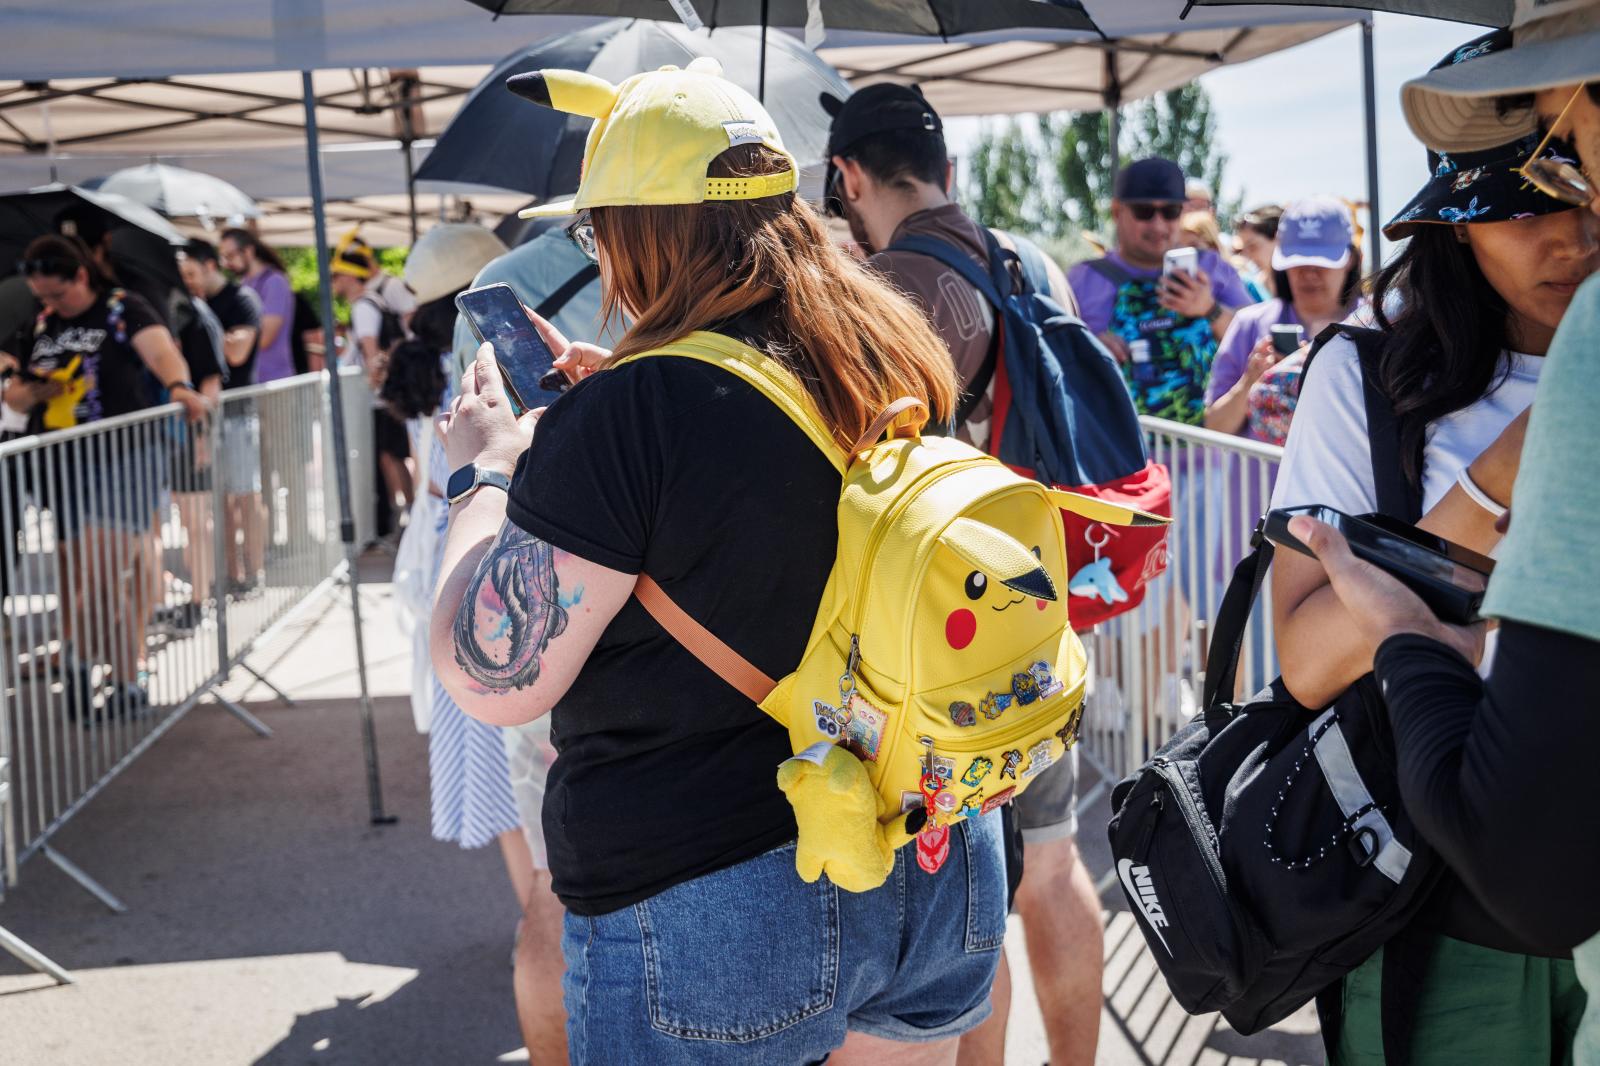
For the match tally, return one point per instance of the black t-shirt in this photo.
(93, 352)
(681, 470)
(199, 337)
(237, 306)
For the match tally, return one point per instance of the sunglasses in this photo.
(580, 231)
(1559, 178)
(1145, 212)
(55, 268)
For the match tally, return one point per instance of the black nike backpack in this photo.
(1264, 849)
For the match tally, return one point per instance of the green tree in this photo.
(1002, 185)
(1056, 180)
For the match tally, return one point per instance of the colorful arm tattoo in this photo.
(510, 614)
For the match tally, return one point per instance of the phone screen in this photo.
(496, 316)
(1392, 544)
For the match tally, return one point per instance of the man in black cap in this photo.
(1162, 328)
(888, 177)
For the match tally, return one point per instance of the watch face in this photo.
(460, 481)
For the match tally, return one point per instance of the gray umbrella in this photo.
(930, 18)
(501, 140)
(1477, 12)
(180, 193)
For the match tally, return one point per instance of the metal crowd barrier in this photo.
(142, 560)
(1147, 668)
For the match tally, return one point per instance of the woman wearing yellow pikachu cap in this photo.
(690, 937)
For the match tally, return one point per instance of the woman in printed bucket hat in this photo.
(1466, 310)
(690, 937)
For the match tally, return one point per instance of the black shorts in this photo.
(187, 475)
(389, 435)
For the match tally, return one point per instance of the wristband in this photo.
(183, 384)
(1215, 312)
(1477, 495)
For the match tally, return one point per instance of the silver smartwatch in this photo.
(470, 478)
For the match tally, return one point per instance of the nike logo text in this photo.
(1136, 882)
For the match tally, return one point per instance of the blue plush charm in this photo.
(1097, 580)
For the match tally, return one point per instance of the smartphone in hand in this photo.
(1449, 578)
(497, 318)
(1286, 340)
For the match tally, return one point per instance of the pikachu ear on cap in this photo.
(1000, 556)
(571, 91)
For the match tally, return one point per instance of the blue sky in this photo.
(1291, 123)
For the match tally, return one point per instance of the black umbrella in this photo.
(142, 243)
(1477, 12)
(928, 18)
(498, 139)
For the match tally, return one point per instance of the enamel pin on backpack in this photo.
(942, 674)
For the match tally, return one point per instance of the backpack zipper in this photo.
(1196, 823)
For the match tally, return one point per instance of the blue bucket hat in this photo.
(1484, 185)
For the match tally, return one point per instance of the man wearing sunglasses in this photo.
(1163, 328)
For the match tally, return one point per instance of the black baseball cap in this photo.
(1153, 180)
(880, 108)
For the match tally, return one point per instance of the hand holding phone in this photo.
(1286, 339)
(1449, 579)
(498, 319)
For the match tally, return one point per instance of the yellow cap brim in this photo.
(553, 209)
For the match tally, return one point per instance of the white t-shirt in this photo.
(1328, 459)
(366, 320)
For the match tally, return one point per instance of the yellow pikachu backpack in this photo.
(941, 675)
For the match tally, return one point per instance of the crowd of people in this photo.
(633, 793)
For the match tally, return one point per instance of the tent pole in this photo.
(1114, 111)
(347, 525)
(1369, 83)
(411, 188)
(761, 78)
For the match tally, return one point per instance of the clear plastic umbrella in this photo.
(180, 193)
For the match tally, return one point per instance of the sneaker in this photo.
(127, 701)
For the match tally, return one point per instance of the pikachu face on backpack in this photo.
(943, 661)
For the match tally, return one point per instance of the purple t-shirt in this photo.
(1097, 294)
(1244, 332)
(274, 360)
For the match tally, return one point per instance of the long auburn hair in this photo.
(1446, 327)
(853, 341)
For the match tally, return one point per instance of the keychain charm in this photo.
(1096, 581)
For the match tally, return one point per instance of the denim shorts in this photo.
(752, 965)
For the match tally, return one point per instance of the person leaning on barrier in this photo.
(670, 841)
(1468, 311)
(99, 352)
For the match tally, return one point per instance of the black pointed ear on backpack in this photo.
(1000, 556)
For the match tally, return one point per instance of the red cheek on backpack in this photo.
(1040, 604)
(960, 628)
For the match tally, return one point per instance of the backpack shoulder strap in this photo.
(766, 375)
(1109, 270)
(551, 305)
(959, 261)
(774, 382)
(1396, 496)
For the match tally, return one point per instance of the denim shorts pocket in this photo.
(986, 883)
(742, 953)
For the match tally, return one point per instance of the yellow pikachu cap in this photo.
(351, 242)
(655, 134)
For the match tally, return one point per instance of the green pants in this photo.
(1478, 1007)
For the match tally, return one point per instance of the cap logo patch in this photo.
(743, 131)
(1310, 228)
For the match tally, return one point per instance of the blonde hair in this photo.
(1202, 225)
(853, 341)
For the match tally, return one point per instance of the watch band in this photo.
(480, 478)
(1216, 310)
(183, 383)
